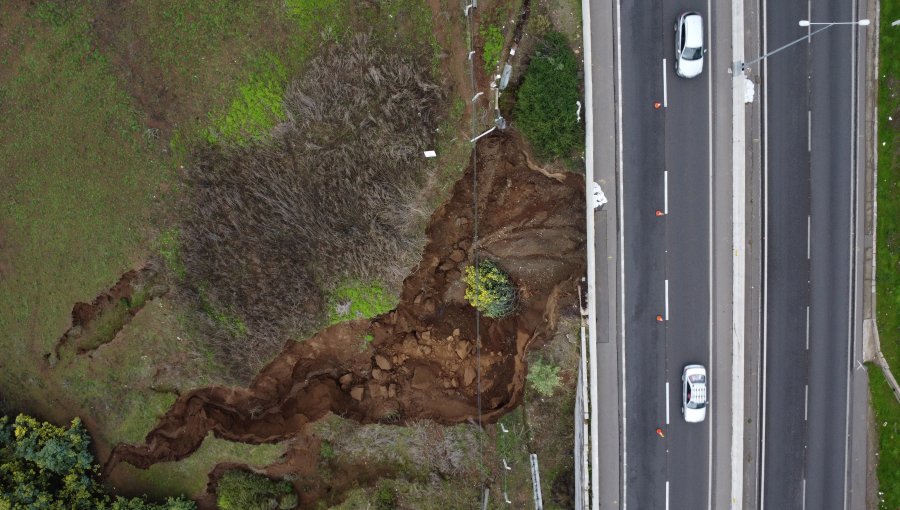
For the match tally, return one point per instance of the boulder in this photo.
(357, 393)
(382, 362)
(457, 256)
(462, 349)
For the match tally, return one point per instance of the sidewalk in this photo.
(607, 407)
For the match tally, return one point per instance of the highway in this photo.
(667, 272)
(809, 181)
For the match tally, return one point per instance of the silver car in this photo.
(693, 393)
(689, 45)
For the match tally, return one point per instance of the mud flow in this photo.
(421, 361)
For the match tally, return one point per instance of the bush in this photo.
(356, 299)
(490, 290)
(242, 490)
(543, 376)
(385, 497)
(49, 467)
(546, 101)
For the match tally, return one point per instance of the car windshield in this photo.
(692, 53)
(695, 405)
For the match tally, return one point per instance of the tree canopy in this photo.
(45, 467)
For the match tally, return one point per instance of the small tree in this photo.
(242, 490)
(490, 290)
(543, 376)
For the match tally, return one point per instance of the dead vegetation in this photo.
(334, 194)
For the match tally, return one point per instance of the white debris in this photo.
(598, 196)
(748, 90)
(430, 154)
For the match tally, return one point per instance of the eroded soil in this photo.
(98, 322)
(421, 361)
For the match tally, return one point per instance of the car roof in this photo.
(693, 29)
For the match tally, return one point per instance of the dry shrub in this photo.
(334, 194)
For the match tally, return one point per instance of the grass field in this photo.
(887, 410)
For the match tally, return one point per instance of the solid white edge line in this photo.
(623, 497)
(667, 402)
(665, 191)
(665, 86)
(765, 301)
(667, 299)
(853, 255)
(711, 335)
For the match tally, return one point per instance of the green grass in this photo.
(359, 300)
(887, 410)
(887, 427)
(493, 47)
(76, 187)
(169, 248)
(188, 476)
(888, 236)
(257, 108)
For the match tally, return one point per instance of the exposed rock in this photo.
(456, 332)
(462, 349)
(377, 390)
(346, 379)
(425, 335)
(357, 393)
(457, 256)
(425, 350)
(378, 375)
(382, 362)
(468, 375)
(392, 391)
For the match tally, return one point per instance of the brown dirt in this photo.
(80, 337)
(421, 363)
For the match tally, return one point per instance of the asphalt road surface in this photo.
(807, 124)
(665, 166)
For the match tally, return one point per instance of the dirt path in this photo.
(421, 362)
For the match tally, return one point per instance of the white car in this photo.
(689, 45)
(693, 394)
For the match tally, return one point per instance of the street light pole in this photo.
(740, 66)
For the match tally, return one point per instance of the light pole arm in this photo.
(743, 65)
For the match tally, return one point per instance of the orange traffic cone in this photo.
(659, 213)
(657, 105)
(659, 432)
(659, 318)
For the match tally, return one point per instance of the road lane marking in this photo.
(710, 261)
(667, 495)
(667, 299)
(808, 130)
(667, 402)
(806, 402)
(765, 301)
(665, 87)
(666, 191)
(803, 491)
(851, 276)
(621, 214)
